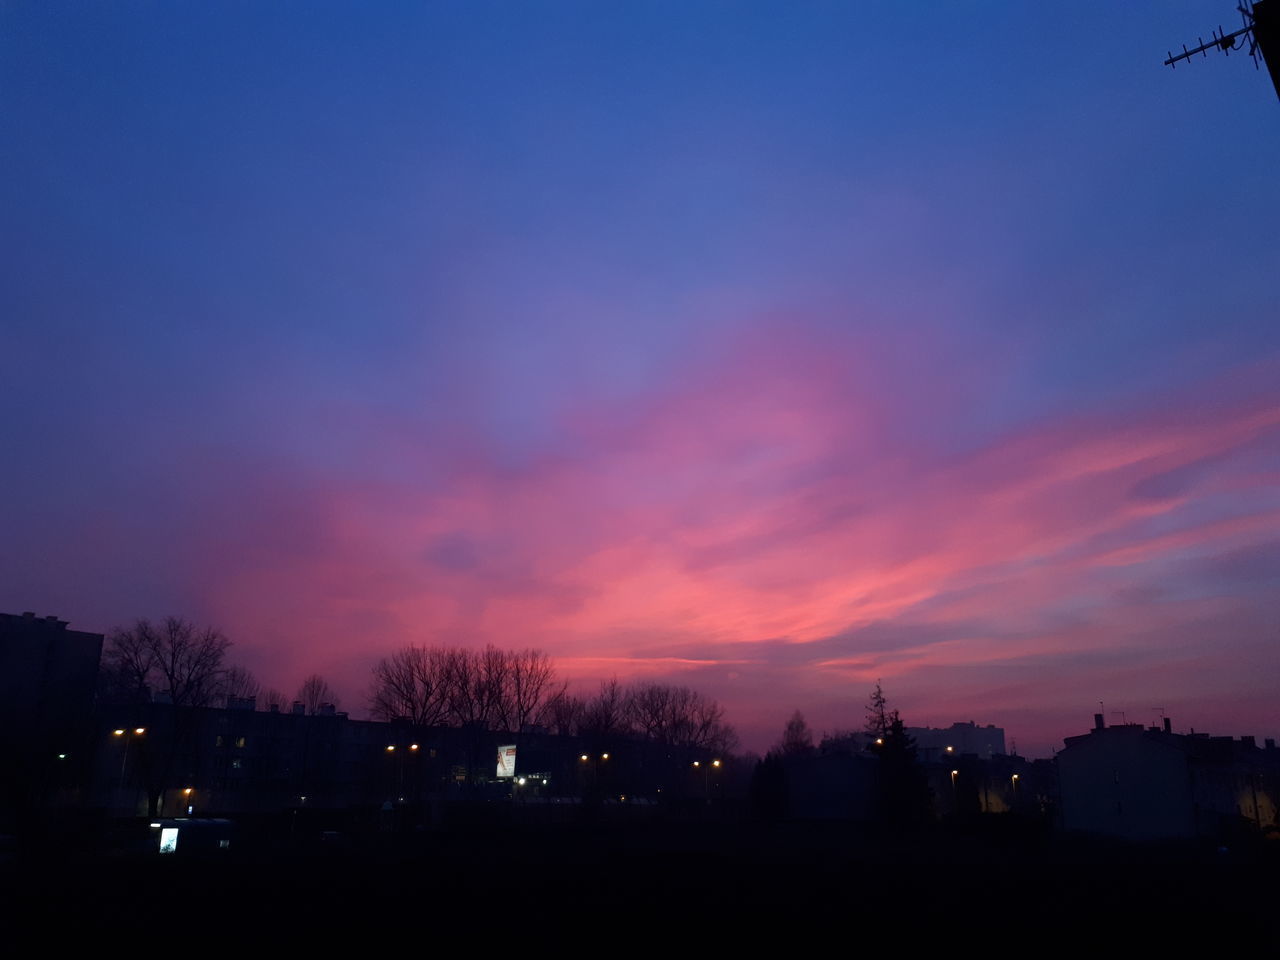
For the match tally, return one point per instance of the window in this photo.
(219, 742)
(240, 743)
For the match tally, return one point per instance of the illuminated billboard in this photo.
(507, 761)
(169, 840)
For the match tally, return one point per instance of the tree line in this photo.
(518, 689)
(904, 799)
(489, 688)
(187, 665)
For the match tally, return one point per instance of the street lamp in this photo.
(706, 777)
(127, 736)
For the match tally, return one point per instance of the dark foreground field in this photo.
(606, 890)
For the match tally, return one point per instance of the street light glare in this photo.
(139, 730)
(118, 733)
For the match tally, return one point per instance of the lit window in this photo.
(219, 742)
(240, 742)
(236, 764)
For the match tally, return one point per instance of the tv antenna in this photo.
(1259, 37)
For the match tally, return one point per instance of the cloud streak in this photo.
(761, 512)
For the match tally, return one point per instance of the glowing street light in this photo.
(127, 736)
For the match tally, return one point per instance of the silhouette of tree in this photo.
(879, 717)
(173, 660)
(271, 697)
(315, 692)
(173, 657)
(413, 682)
(564, 712)
(606, 714)
(906, 800)
(677, 716)
(768, 789)
(797, 739)
(489, 689)
(530, 679)
(240, 683)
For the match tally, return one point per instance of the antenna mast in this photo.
(1260, 35)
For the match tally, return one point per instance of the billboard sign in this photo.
(507, 761)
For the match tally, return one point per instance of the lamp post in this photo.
(706, 776)
(591, 764)
(126, 735)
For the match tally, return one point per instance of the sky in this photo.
(772, 349)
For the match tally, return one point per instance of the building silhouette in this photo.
(1149, 783)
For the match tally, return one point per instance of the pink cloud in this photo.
(767, 493)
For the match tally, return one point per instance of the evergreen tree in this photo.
(768, 790)
(797, 739)
(906, 801)
(879, 717)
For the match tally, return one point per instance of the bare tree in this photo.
(240, 683)
(271, 697)
(678, 716)
(649, 710)
(530, 678)
(477, 681)
(563, 713)
(315, 692)
(413, 682)
(605, 714)
(174, 657)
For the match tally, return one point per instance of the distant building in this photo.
(1148, 783)
(47, 679)
(935, 744)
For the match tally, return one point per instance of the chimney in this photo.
(275, 708)
(1099, 723)
(1168, 725)
(299, 708)
(1249, 742)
